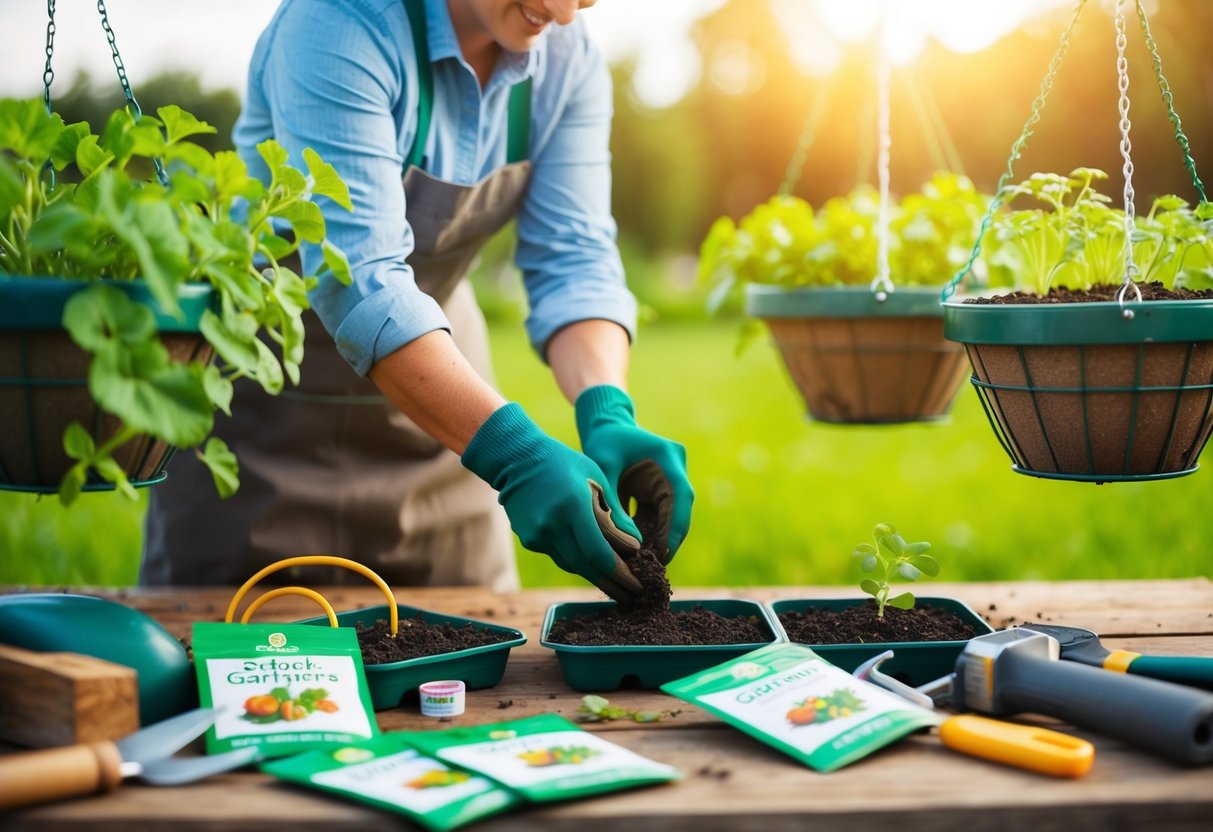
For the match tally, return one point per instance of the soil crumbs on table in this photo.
(417, 637)
(859, 625)
(648, 619)
(1153, 290)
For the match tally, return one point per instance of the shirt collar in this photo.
(511, 68)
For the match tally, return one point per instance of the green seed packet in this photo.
(792, 699)
(284, 687)
(543, 758)
(388, 773)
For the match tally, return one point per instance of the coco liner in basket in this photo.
(859, 356)
(392, 682)
(1081, 391)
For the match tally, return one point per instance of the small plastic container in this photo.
(914, 662)
(442, 698)
(594, 668)
(392, 683)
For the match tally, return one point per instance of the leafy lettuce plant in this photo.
(891, 558)
(785, 242)
(1077, 240)
(86, 206)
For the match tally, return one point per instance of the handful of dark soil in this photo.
(417, 637)
(648, 618)
(859, 625)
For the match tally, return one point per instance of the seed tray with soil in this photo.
(428, 646)
(926, 640)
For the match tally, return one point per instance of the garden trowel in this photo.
(1079, 645)
(33, 777)
(1018, 670)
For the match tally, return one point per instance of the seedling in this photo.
(599, 709)
(892, 558)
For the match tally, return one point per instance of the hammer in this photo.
(1018, 670)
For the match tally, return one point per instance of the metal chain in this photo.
(881, 285)
(1126, 153)
(48, 74)
(1016, 151)
(117, 59)
(1168, 99)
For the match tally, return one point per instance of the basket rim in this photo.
(36, 303)
(768, 301)
(1087, 323)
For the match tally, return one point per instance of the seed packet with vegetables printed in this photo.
(284, 687)
(386, 772)
(792, 699)
(543, 757)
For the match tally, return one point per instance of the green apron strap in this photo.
(519, 138)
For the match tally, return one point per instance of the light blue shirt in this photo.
(340, 76)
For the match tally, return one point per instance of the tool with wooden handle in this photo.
(33, 777)
(1024, 746)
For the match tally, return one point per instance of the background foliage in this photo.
(781, 499)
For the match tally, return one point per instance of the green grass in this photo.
(779, 499)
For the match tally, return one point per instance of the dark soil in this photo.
(417, 637)
(859, 625)
(1149, 291)
(648, 619)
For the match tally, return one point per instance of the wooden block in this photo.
(52, 699)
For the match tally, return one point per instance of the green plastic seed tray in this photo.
(592, 668)
(476, 667)
(914, 662)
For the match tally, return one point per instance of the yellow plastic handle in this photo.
(257, 602)
(1024, 746)
(317, 560)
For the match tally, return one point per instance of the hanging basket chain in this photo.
(807, 136)
(48, 74)
(1126, 153)
(1017, 149)
(881, 284)
(1168, 100)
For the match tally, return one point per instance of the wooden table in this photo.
(730, 780)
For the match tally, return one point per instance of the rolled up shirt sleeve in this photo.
(329, 75)
(567, 248)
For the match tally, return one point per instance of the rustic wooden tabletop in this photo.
(730, 780)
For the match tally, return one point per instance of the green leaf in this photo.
(870, 587)
(138, 385)
(927, 564)
(101, 314)
(892, 545)
(863, 550)
(326, 181)
(273, 153)
(72, 484)
(111, 471)
(78, 442)
(218, 388)
(12, 187)
(908, 571)
(305, 218)
(221, 462)
(231, 175)
(91, 157)
(869, 563)
(234, 344)
(882, 529)
(64, 151)
(647, 716)
(337, 263)
(178, 124)
(28, 131)
(917, 548)
(904, 601)
(594, 704)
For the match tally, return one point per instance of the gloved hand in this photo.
(638, 464)
(558, 501)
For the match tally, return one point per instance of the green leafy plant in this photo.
(1077, 240)
(599, 709)
(86, 206)
(891, 558)
(785, 242)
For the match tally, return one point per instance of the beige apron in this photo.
(332, 467)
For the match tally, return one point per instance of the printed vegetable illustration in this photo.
(278, 704)
(568, 755)
(842, 702)
(438, 778)
(891, 558)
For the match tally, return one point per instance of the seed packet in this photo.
(388, 773)
(543, 758)
(792, 699)
(284, 687)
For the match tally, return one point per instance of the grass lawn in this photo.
(779, 499)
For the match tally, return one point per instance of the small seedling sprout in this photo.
(892, 558)
(599, 709)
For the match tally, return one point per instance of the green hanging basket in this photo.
(44, 382)
(1081, 392)
(859, 360)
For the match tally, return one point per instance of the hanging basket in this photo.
(859, 360)
(44, 383)
(1080, 392)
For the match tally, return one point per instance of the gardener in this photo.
(391, 447)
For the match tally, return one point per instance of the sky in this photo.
(214, 38)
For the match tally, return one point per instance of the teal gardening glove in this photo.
(558, 501)
(638, 464)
